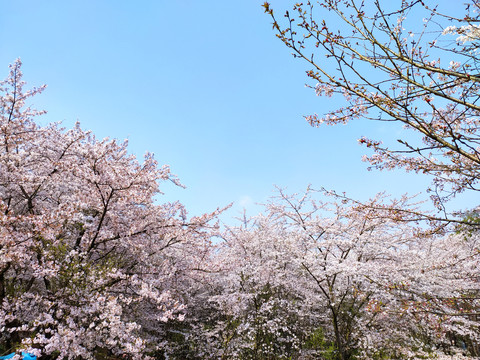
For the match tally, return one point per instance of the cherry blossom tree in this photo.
(337, 280)
(408, 63)
(415, 65)
(90, 264)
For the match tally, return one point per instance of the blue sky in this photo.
(204, 85)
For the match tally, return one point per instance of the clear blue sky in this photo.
(204, 85)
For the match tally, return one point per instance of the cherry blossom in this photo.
(89, 261)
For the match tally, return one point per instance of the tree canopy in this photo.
(92, 266)
(409, 64)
